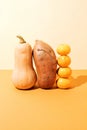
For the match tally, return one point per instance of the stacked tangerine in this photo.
(64, 71)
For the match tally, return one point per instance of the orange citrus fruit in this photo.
(64, 72)
(63, 49)
(64, 61)
(64, 83)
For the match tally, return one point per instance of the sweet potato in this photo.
(46, 65)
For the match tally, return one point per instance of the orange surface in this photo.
(40, 109)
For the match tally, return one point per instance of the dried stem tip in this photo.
(21, 39)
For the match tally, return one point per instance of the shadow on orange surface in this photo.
(76, 82)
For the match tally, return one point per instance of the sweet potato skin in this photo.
(46, 65)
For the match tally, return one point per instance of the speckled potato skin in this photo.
(46, 65)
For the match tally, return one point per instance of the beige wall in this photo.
(53, 21)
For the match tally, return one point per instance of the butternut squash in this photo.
(23, 76)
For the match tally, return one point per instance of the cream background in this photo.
(53, 21)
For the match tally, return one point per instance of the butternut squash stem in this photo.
(21, 39)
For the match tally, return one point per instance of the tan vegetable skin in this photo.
(23, 76)
(46, 65)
